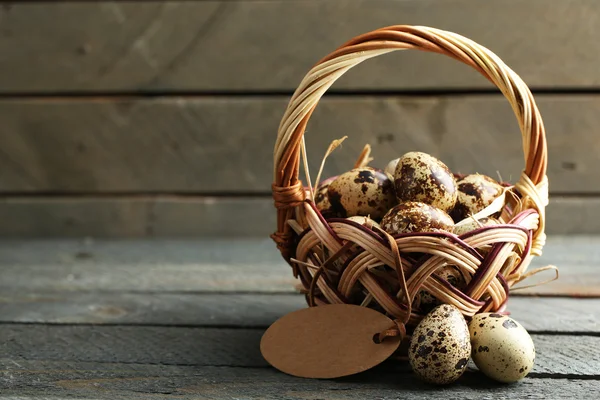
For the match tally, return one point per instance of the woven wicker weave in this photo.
(339, 261)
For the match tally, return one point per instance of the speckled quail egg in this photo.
(362, 191)
(390, 168)
(502, 348)
(472, 224)
(475, 192)
(322, 200)
(449, 273)
(413, 216)
(439, 348)
(421, 177)
(364, 221)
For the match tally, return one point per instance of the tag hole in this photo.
(376, 339)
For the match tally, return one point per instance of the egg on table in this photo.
(502, 348)
(416, 217)
(439, 348)
(475, 192)
(450, 274)
(424, 178)
(362, 191)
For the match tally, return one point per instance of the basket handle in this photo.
(287, 189)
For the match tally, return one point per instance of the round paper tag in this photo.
(328, 341)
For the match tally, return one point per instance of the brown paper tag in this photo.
(327, 341)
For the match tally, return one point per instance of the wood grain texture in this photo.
(573, 215)
(225, 144)
(556, 355)
(136, 216)
(159, 309)
(164, 216)
(222, 265)
(544, 314)
(60, 380)
(145, 265)
(551, 314)
(269, 45)
(137, 345)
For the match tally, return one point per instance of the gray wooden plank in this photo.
(577, 258)
(225, 144)
(61, 380)
(222, 265)
(164, 309)
(543, 314)
(136, 216)
(137, 345)
(164, 216)
(213, 265)
(555, 354)
(75, 217)
(550, 314)
(573, 215)
(158, 46)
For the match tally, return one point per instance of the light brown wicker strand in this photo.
(491, 275)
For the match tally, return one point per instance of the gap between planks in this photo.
(261, 94)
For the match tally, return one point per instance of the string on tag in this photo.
(399, 329)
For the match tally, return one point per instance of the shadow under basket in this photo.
(341, 261)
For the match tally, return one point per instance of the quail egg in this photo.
(413, 216)
(390, 169)
(421, 177)
(502, 348)
(362, 191)
(475, 192)
(439, 348)
(472, 224)
(321, 199)
(364, 221)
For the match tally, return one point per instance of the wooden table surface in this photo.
(183, 319)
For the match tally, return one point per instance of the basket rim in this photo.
(287, 189)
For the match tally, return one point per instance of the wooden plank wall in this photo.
(158, 118)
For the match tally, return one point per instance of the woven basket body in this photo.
(339, 261)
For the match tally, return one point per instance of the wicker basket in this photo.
(339, 261)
